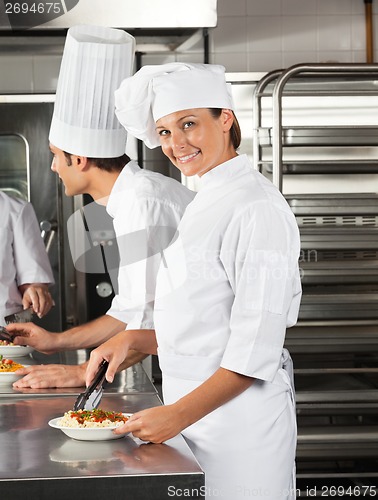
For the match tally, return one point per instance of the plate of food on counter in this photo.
(8, 370)
(90, 425)
(9, 350)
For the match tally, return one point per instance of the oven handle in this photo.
(48, 232)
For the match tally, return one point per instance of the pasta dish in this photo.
(8, 365)
(92, 419)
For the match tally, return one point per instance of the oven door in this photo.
(80, 293)
(25, 172)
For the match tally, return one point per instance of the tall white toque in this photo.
(157, 91)
(95, 61)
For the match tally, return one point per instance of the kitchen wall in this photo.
(259, 35)
(251, 36)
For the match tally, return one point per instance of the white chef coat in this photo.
(146, 207)
(239, 248)
(23, 258)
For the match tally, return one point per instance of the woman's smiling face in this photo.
(195, 141)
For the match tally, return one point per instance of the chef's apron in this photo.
(247, 446)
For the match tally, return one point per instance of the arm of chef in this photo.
(34, 273)
(260, 253)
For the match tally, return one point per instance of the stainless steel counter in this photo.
(131, 381)
(40, 462)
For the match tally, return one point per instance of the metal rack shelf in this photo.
(335, 343)
(312, 80)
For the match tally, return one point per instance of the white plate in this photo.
(90, 434)
(7, 378)
(15, 351)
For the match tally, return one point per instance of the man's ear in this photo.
(80, 162)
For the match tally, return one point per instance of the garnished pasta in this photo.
(8, 365)
(92, 418)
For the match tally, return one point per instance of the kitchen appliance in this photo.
(84, 290)
(81, 295)
(25, 173)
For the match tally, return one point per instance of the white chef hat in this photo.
(95, 61)
(158, 90)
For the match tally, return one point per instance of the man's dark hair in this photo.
(107, 164)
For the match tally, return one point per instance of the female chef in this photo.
(228, 292)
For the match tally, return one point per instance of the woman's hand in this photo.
(164, 422)
(155, 425)
(37, 296)
(114, 351)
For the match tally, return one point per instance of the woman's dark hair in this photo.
(235, 132)
(108, 164)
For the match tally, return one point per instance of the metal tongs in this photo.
(5, 335)
(91, 397)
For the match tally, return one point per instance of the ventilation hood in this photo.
(127, 14)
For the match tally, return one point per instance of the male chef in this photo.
(88, 146)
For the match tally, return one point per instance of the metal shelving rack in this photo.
(335, 343)
(277, 137)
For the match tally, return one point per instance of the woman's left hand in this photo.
(164, 422)
(155, 425)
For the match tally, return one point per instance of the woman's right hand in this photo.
(130, 346)
(114, 351)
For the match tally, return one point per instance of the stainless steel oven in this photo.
(80, 292)
(24, 172)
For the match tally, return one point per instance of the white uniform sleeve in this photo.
(148, 230)
(260, 254)
(31, 259)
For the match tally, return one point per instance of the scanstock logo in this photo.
(24, 14)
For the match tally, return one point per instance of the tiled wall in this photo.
(260, 35)
(29, 73)
(252, 35)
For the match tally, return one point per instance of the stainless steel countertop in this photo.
(41, 462)
(134, 380)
